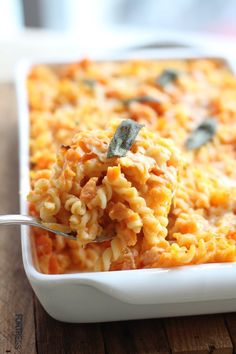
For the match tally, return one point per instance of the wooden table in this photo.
(26, 328)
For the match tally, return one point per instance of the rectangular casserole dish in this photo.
(121, 295)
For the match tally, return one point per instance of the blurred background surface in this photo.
(34, 27)
(73, 15)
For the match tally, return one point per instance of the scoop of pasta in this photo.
(126, 197)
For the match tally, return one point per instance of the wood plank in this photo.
(230, 319)
(135, 337)
(60, 338)
(17, 333)
(198, 335)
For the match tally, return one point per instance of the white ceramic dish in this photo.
(122, 295)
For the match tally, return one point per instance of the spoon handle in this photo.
(17, 219)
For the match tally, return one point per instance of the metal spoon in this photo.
(31, 221)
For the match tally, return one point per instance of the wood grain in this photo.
(198, 335)
(17, 331)
(60, 338)
(135, 337)
(230, 319)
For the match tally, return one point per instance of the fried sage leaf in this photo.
(141, 99)
(167, 76)
(90, 82)
(202, 134)
(123, 138)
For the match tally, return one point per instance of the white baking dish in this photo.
(121, 295)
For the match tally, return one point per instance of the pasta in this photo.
(109, 202)
(162, 204)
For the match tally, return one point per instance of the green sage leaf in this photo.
(90, 82)
(202, 134)
(123, 138)
(141, 99)
(167, 76)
